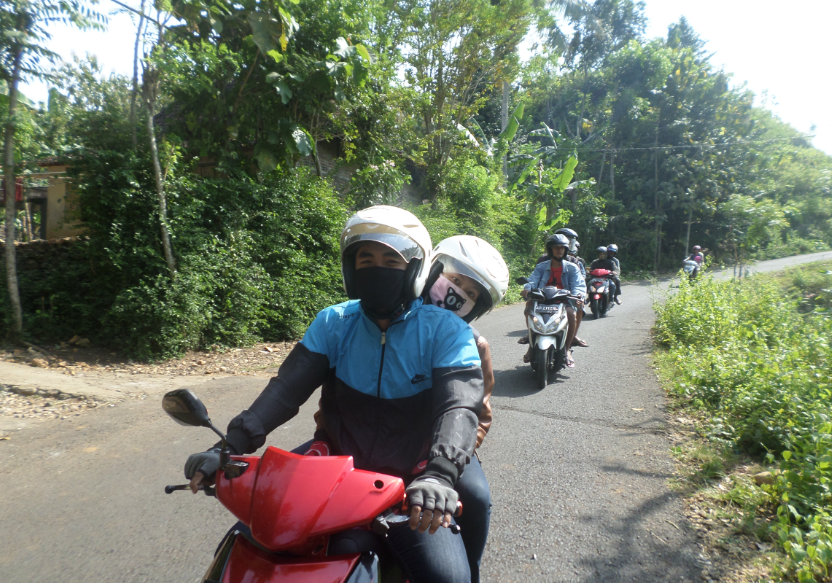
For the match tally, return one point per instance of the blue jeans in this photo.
(424, 558)
(476, 514)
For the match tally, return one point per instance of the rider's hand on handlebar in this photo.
(198, 480)
(580, 303)
(202, 467)
(434, 500)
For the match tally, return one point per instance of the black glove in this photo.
(432, 493)
(207, 462)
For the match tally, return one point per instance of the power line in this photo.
(695, 146)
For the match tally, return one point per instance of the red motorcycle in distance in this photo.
(601, 292)
(308, 518)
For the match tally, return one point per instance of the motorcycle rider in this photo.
(572, 255)
(474, 272)
(696, 255)
(604, 262)
(468, 277)
(563, 274)
(612, 251)
(401, 380)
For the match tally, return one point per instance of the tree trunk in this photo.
(151, 86)
(612, 173)
(601, 173)
(11, 191)
(687, 239)
(656, 197)
(318, 170)
(135, 91)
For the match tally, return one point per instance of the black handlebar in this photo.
(209, 491)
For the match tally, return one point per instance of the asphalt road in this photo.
(579, 473)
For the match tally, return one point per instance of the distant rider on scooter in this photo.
(402, 384)
(563, 274)
(603, 262)
(572, 255)
(612, 251)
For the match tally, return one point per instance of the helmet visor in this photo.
(402, 244)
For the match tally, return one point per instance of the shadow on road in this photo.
(520, 382)
(643, 532)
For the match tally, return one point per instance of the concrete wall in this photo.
(61, 207)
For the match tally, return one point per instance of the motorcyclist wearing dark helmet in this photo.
(603, 262)
(572, 255)
(402, 383)
(612, 251)
(561, 273)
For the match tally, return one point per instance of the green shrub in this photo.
(761, 372)
(254, 260)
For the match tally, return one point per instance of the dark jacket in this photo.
(389, 399)
(607, 264)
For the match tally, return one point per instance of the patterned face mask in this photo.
(450, 297)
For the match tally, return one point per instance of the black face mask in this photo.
(380, 289)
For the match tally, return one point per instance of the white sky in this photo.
(781, 47)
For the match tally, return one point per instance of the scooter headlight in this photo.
(538, 325)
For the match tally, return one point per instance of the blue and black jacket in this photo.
(390, 399)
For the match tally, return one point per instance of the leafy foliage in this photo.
(758, 365)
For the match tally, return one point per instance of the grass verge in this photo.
(748, 366)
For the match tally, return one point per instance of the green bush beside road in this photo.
(754, 359)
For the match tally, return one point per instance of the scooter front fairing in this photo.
(292, 504)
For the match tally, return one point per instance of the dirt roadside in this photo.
(61, 382)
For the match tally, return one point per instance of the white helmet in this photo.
(398, 229)
(481, 262)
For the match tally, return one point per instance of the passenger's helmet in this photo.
(612, 248)
(601, 249)
(572, 236)
(556, 241)
(396, 228)
(481, 262)
(697, 248)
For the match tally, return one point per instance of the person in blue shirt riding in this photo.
(402, 384)
(563, 274)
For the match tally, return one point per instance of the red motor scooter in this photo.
(308, 518)
(600, 291)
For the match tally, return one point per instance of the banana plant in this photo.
(493, 146)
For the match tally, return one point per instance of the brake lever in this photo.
(209, 490)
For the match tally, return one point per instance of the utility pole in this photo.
(504, 123)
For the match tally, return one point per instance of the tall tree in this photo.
(23, 52)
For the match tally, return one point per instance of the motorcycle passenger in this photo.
(696, 255)
(612, 251)
(563, 274)
(473, 280)
(572, 255)
(402, 383)
(604, 262)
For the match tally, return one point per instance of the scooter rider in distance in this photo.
(612, 251)
(563, 274)
(572, 255)
(401, 383)
(603, 262)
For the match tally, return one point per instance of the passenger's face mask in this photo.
(445, 294)
(380, 289)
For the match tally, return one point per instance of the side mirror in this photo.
(186, 408)
(522, 280)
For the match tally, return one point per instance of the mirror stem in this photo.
(225, 453)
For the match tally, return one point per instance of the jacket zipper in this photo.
(381, 366)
